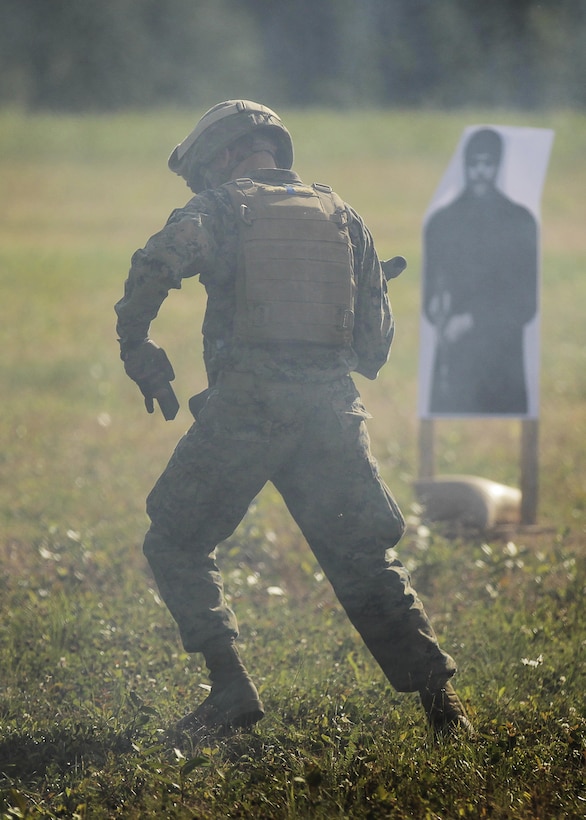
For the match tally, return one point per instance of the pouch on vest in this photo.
(295, 278)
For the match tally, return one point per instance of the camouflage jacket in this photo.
(202, 239)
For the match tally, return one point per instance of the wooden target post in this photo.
(529, 470)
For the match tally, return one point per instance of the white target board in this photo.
(479, 330)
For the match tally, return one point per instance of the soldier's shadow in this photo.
(27, 757)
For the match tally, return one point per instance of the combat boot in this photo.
(233, 702)
(445, 713)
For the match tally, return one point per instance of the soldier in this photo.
(296, 300)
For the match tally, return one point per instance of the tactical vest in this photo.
(295, 278)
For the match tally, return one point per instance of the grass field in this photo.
(91, 669)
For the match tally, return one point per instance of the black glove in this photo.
(147, 365)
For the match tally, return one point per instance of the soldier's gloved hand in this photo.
(147, 365)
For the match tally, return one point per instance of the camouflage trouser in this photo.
(311, 442)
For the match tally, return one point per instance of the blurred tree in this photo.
(81, 54)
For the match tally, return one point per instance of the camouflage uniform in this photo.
(288, 414)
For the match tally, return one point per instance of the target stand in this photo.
(472, 501)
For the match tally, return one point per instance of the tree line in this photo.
(83, 55)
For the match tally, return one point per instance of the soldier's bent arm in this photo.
(374, 324)
(183, 248)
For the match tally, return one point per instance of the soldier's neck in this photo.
(254, 162)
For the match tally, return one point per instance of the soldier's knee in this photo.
(397, 525)
(399, 530)
(154, 545)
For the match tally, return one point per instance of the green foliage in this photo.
(92, 672)
(76, 56)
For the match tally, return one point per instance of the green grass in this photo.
(91, 669)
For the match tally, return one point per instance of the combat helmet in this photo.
(219, 127)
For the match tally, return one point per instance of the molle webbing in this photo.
(295, 280)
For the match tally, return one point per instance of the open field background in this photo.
(90, 665)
